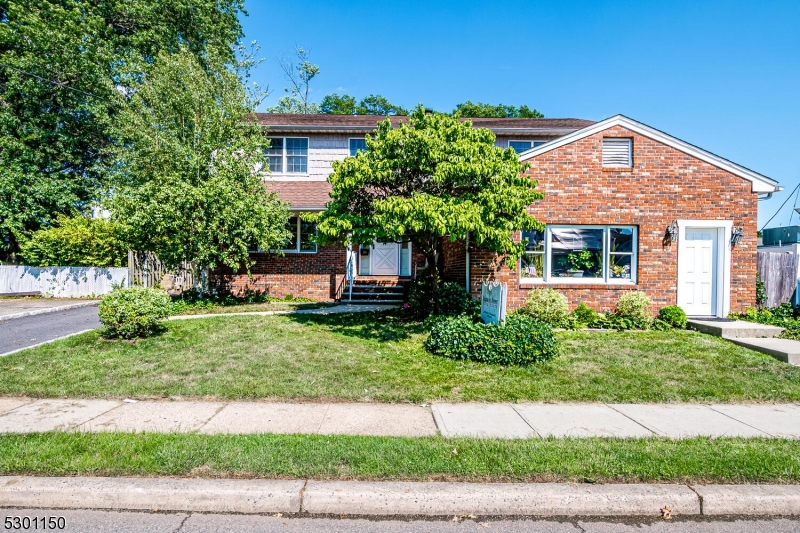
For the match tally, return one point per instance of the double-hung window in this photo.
(302, 236)
(580, 254)
(357, 145)
(521, 146)
(288, 155)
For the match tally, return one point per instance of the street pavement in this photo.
(17, 333)
(506, 421)
(79, 521)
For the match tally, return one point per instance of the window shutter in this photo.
(616, 152)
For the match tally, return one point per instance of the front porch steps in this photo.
(372, 292)
(759, 337)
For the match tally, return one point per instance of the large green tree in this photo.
(334, 104)
(190, 160)
(64, 66)
(478, 110)
(433, 178)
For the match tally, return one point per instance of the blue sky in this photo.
(722, 75)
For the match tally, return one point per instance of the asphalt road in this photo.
(153, 522)
(19, 333)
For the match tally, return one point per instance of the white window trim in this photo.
(283, 172)
(532, 141)
(606, 279)
(296, 249)
(348, 143)
(723, 274)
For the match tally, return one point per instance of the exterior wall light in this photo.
(736, 235)
(672, 232)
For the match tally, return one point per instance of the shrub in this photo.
(522, 340)
(76, 241)
(635, 306)
(673, 315)
(420, 294)
(134, 312)
(452, 300)
(548, 306)
(584, 314)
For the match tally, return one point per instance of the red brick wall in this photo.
(314, 276)
(663, 185)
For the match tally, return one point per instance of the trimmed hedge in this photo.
(134, 312)
(520, 341)
(674, 316)
(548, 306)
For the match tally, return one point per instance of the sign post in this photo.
(493, 302)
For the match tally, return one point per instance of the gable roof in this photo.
(760, 183)
(288, 122)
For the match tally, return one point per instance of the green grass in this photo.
(721, 460)
(250, 307)
(377, 357)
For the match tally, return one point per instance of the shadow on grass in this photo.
(382, 326)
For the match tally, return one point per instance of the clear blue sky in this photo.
(722, 75)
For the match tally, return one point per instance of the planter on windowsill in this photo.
(575, 273)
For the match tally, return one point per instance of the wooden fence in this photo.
(147, 270)
(778, 271)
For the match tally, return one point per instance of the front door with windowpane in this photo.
(698, 268)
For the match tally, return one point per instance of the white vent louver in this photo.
(617, 152)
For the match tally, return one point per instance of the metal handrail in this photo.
(350, 275)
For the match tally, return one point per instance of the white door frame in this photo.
(399, 259)
(722, 276)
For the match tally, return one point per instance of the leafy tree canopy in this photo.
(63, 67)
(299, 71)
(334, 104)
(468, 109)
(76, 241)
(432, 178)
(189, 158)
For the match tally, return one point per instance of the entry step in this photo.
(736, 329)
(785, 350)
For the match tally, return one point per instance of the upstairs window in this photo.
(357, 145)
(521, 146)
(288, 155)
(617, 152)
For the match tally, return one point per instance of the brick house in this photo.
(626, 207)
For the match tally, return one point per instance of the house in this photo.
(627, 207)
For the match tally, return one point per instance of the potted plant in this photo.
(580, 262)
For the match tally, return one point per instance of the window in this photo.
(288, 155)
(302, 239)
(357, 145)
(617, 152)
(521, 146)
(580, 254)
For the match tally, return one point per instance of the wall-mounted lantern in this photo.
(736, 235)
(672, 232)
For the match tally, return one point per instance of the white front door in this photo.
(698, 272)
(385, 259)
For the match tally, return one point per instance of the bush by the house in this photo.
(583, 314)
(785, 316)
(133, 312)
(76, 241)
(449, 298)
(674, 316)
(522, 340)
(548, 306)
(635, 306)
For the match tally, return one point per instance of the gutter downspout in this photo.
(467, 266)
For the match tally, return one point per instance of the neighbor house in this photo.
(627, 207)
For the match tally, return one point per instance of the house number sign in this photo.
(493, 301)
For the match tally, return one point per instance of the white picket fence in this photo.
(62, 282)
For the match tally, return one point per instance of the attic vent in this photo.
(617, 152)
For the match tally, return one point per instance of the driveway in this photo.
(12, 307)
(16, 333)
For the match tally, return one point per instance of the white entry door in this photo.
(698, 272)
(385, 260)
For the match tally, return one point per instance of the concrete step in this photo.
(785, 350)
(355, 301)
(735, 329)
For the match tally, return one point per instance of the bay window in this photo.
(580, 254)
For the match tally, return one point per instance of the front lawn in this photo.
(699, 460)
(275, 305)
(377, 357)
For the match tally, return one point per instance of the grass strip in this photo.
(698, 460)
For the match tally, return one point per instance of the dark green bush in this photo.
(134, 312)
(583, 314)
(451, 299)
(673, 315)
(520, 341)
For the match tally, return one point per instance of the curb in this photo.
(50, 310)
(396, 498)
(45, 342)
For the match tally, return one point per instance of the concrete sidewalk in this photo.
(397, 498)
(506, 421)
